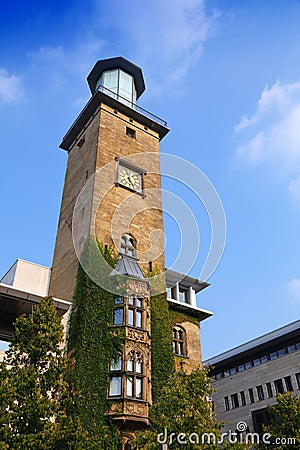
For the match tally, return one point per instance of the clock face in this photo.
(130, 178)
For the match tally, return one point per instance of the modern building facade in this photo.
(248, 378)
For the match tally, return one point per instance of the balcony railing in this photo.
(132, 105)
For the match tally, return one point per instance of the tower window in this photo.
(81, 141)
(134, 378)
(135, 312)
(115, 384)
(179, 341)
(129, 311)
(130, 132)
(127, 245)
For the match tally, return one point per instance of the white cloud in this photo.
(294, 289)
(59, 66)
(166, 39)
(271, 136)
(11, 87)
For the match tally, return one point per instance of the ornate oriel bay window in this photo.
(127, 377)
(129, 311)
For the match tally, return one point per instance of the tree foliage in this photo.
(34, 396)
(183, 409)
(285, 422)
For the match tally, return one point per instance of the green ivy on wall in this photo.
(179, 317)
(162, 357)
(92, 345)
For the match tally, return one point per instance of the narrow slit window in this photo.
(131, 132)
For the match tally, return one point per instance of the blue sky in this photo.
(226, 77)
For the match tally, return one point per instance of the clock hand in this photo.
(130, 180)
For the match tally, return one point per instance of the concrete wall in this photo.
(268, 372)
(28, 277)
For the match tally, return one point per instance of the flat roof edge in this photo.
(256, 342)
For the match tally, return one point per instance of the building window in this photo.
(128, 379)
(134, 376)
(291, 348)
(241, 368)
(115, 384)
(234, 401)
(279, 386)
(129, 311)
(135, 312)
(288, 383)
(297, 375)
(269, 390)
(179, 341)
(182, 297)
(243, 398)
(127, 246)
(226, 403)
(281, 352)
(264, 359)
(251, 395)
(130, 132)
(119, 311)
(260, 393)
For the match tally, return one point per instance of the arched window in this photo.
(126, 377)
(135, 376)
(179, 341)
(128, 245)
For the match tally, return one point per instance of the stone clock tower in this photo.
(112, 191)
(114, 146)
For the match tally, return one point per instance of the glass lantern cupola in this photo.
(118, 78)
(119, 85)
